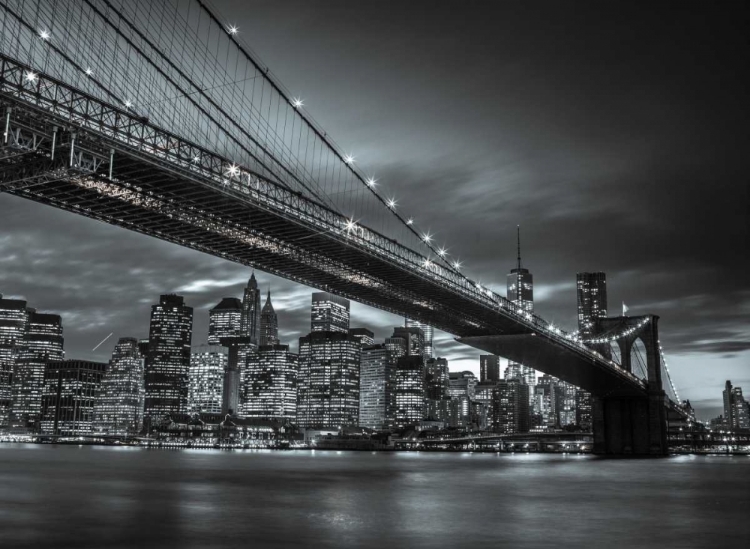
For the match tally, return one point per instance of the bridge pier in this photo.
(630, 426)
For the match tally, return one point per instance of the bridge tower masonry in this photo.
(632, 425)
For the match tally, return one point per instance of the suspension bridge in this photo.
(158, 118)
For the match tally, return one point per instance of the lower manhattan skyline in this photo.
(575, 157)
(348, 274)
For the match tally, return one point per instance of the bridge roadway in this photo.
(67, 149)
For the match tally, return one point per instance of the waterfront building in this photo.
(167, 368)
(329, 313)
(225, 321)
(270, 384)
(427, 332)
(365, 336)
(483, 395)
(437, 383)
(736, 410)
(461, 389)
(545, 404)
(250, 319)
(43, 342)
(269, 324)
(13, 318)
(376, 381)
(409, 390)
(414, 338)
(510, 412)
(583, 410)
(489, 368)
(208, 364)
(119, 405)
(71, 388)
(328, 382)
(566, 402)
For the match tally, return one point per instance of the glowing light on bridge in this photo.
(427, 237)
(371, 182)
(442, 252)
(88, 71)
(44, 34)
(427, 264)
(391, 203)
(196, 159)
(232, 29)
(298, 102)
(457, 265)
(128, 104)
(349, 159)
(351, 225)
(233, 170)
(31, 76)
(410, 221)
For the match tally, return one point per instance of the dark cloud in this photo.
(614, 135)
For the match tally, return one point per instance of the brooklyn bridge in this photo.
(157, 118)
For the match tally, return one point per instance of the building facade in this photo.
(167, 368)
(328, 384)
(119, 406)
(437, 384)
(269, 324)
(510, 409)
(71, 389)
(365, 336)
(329, 313)
(428, 334)
(43, 343)
(225, 321)
(208, 364)
(13, 318)
(409, 389)
(270, 384)
(489, 368)
(375, 387)
(250, 320)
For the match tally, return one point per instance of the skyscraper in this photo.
(270, 390)
(375, 387)
(510, 413)
(489, 368)
(250, 321)
(269, 323)
(365, 336)
(225, 321)
(43, 343)
(736, 409)
(592, 300)
(414, 338)
(13, 318)
(168, 360)
(328, 383)
(427, 332)
(119, 406)
(330, 313)
(521, 293)
(409, 390)
(208, 364)
(71, 388)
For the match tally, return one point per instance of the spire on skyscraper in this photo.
(518, 234)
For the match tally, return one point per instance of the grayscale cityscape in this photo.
(510, 310)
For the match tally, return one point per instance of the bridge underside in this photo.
(559, 361)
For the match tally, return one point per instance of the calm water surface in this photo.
(69, 496)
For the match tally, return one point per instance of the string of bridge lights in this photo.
(666, 367)
(624, 333)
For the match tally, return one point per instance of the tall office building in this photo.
(409, 390)
(330, 313)
(328, 383)
(736, 409)
(375, 387)
(270, 390)
(225, 321)
(592, 300)
(269, 323)
(414, 338)
(461, 389)
(437, 383)
(428, 333)
(510, 413)
(520, 292)
(546, 407)
(208, 364)
(250, 321)
(119, 406)
(71, 388)
(43, 343)
(489, 368)
(13, 318)
(167, 368)
(365, 336)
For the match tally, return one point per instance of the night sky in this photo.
(617, 138)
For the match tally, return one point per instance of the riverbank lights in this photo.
(298, 103)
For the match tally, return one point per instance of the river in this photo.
(96, 497)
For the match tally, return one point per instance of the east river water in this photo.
(100, 497)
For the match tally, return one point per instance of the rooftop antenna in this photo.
(518, 229)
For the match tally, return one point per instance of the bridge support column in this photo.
(629, 426)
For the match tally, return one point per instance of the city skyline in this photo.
(89, 273)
